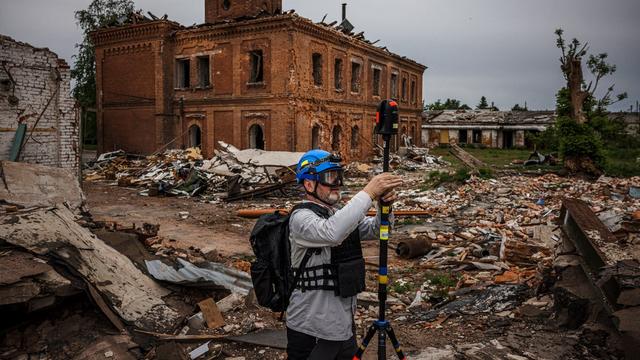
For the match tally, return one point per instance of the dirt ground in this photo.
(211, 227)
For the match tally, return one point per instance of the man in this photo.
(327, 258)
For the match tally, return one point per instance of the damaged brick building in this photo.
(251, 76)
(38, 117)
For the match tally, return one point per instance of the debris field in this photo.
(150, 260)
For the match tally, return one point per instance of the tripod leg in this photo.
(395, 343)
(382, 345)
(365, 342)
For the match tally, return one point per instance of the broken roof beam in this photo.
(469, 160)
(579, 224)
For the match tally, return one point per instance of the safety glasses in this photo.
(331, 178)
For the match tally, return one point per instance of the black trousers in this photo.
(301, 346)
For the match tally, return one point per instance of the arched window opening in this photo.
(195, 136)
(256, 137)
(355, 134)
(335, 138)
(315, 137)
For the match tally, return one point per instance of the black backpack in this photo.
(271, 273)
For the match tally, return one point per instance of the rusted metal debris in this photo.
(412, 248)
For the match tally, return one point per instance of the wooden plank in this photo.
(211, 313)
(34, 130)
(170, 337)
(468, 159)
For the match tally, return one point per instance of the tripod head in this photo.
(387, 118)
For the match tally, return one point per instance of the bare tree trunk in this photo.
(577, 94)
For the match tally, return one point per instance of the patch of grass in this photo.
(485, 173)
(440, 284)
(444, 152)
(461, 175)
(401, 287)
(499, 157)
(437, 178)
(622, 162)
(442, 279)
(408, 221)
(492, 157)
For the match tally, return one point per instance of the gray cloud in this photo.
(503, 49)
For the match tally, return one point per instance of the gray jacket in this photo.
(320, 313)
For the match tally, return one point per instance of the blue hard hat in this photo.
(314, 162)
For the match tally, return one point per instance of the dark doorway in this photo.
(477, 136)
(195, 136)
(256, 137)
(462, 136)
(507, 139)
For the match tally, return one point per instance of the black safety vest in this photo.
(345, 275)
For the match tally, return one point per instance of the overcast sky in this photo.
(503, 49)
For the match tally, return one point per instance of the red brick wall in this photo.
(223, 127)
(129, 77)
(286, 103)
(130, 128)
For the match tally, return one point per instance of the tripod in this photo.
(382, 326)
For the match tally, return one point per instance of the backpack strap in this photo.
(317, 209)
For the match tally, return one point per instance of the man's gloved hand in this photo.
(383, 184)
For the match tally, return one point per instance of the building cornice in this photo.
(234, 29)
(147, 31)
(296, 23)
(338, 38)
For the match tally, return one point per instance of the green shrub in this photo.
(461, 175)
(579, 140)
(485, 173)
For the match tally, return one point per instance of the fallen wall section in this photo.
(35, 89)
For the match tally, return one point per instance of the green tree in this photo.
(100, 13)
(583, 131)
(483, 103)
(449, 104)
(582, 96)
(517, 107)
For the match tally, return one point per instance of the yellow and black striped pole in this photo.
(386, 124)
